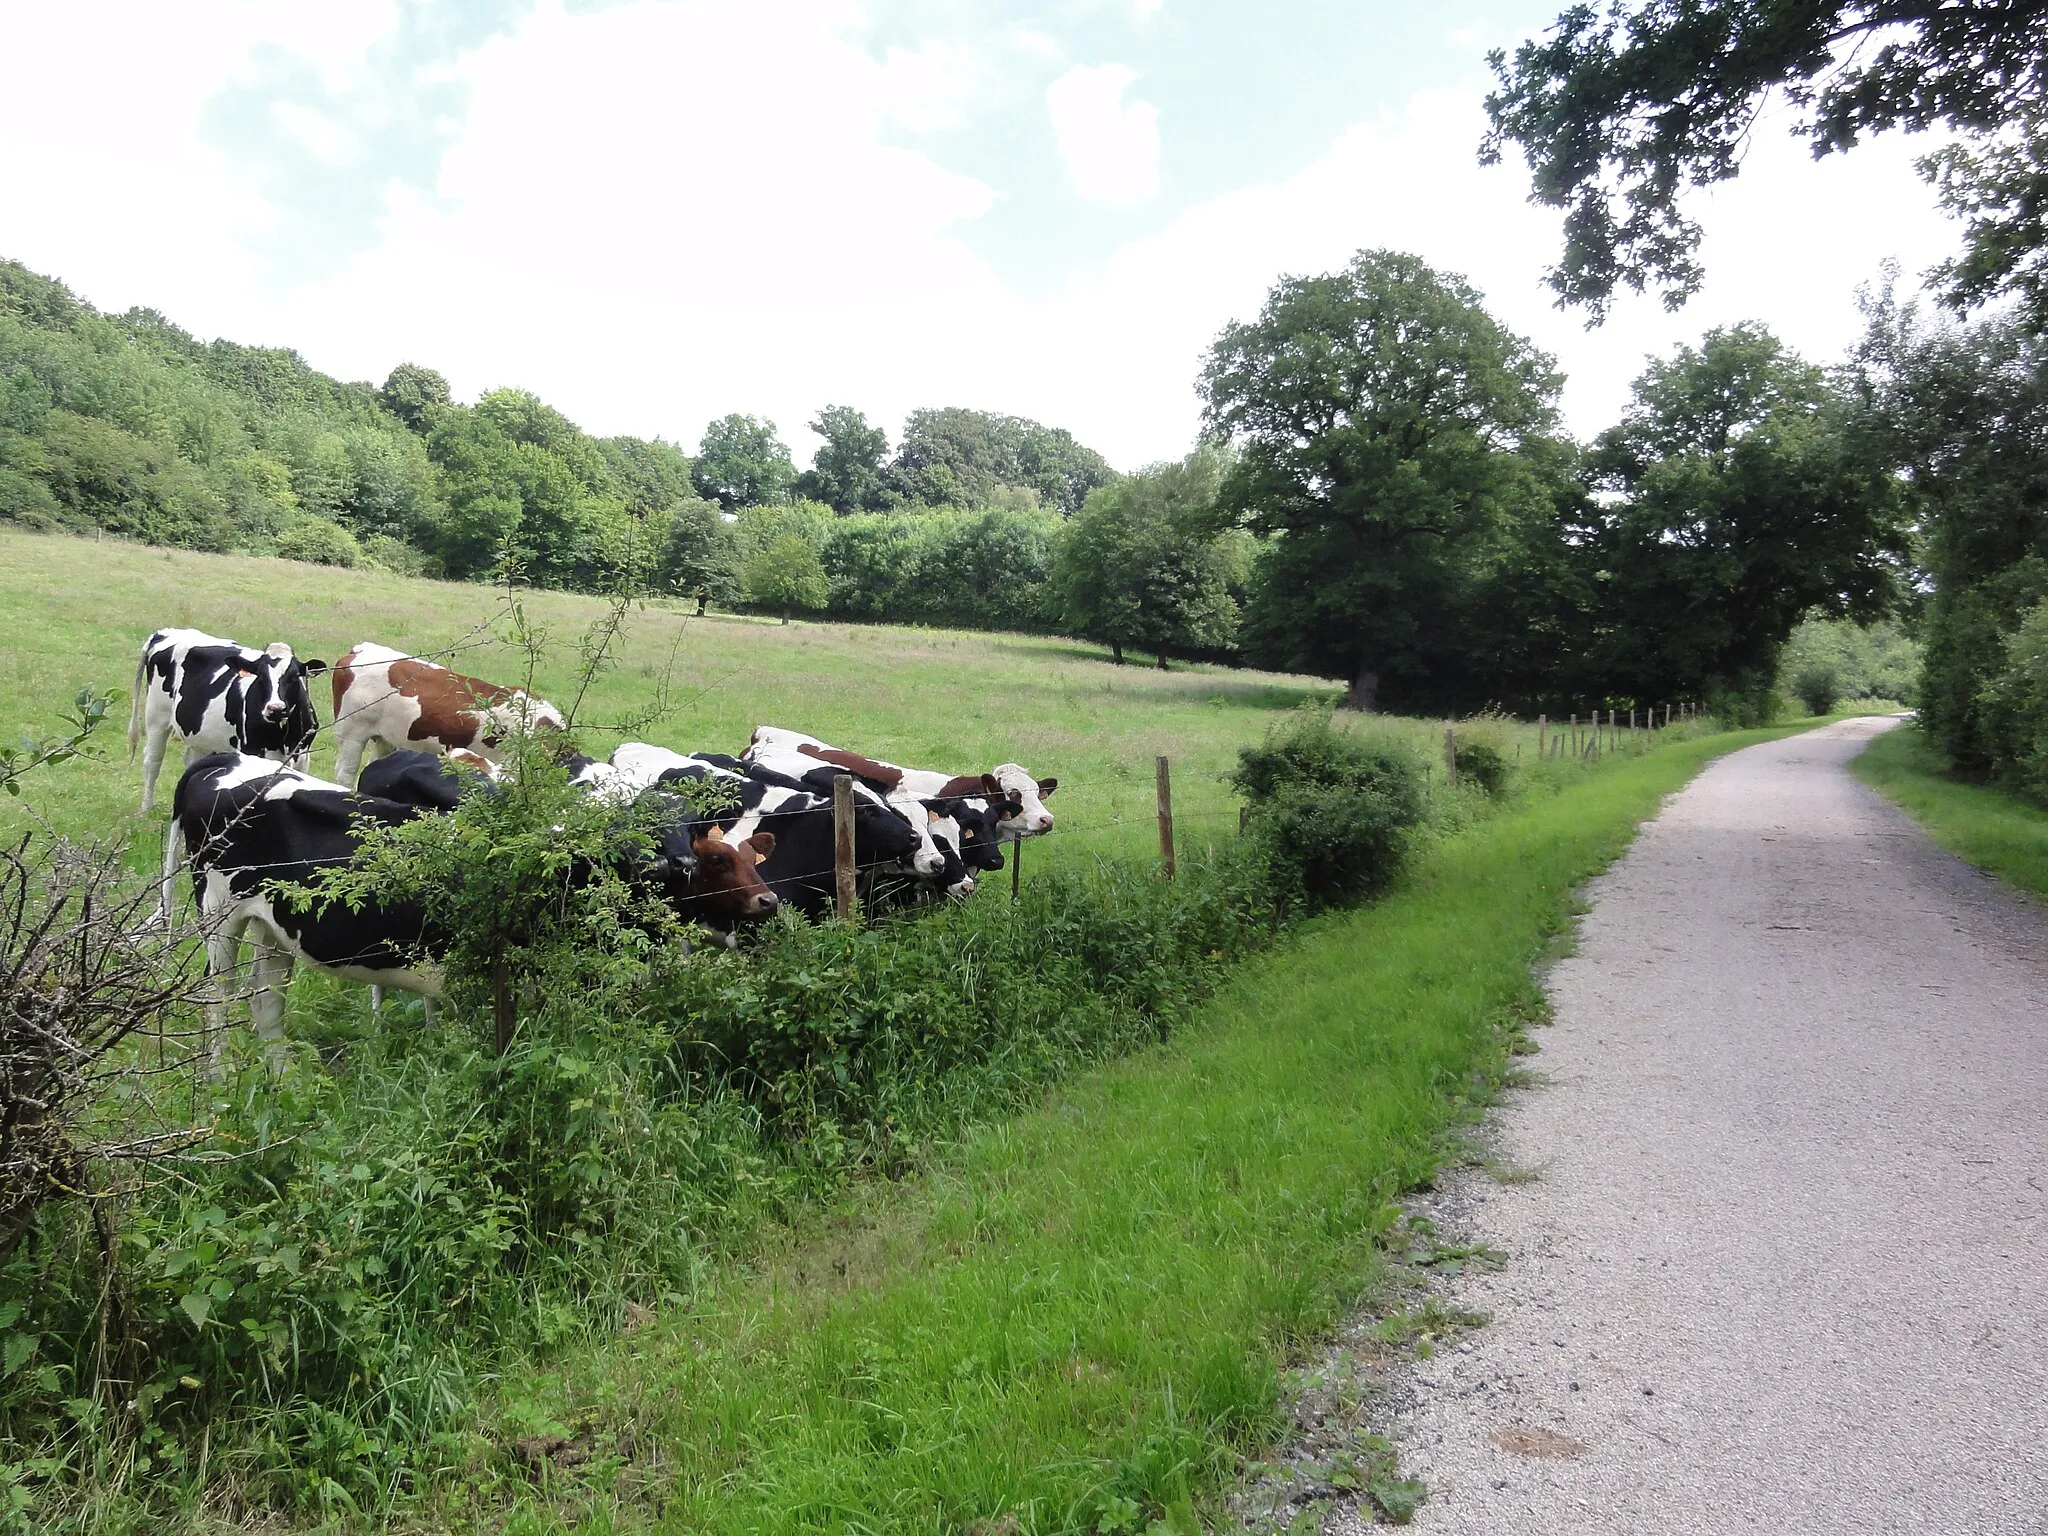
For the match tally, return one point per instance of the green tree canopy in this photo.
(1736, 500)
(741, 463)
(1381, 415)
(1621, 110)
(953, 456)
(412, 392)
(784, 574)
(846, 474)
(652, 476)
(1962, 412)
(1144, 565)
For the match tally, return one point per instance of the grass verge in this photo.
(1079, 1322)
(1981, 824)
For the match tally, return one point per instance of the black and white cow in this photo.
(801, 868)
(929, 862)
(973, 816)
(217, 696)
(245, 825)
(1026, 795)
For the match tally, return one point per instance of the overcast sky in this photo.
(655, 212)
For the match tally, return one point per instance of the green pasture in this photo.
(1982, 824)
(75, 611)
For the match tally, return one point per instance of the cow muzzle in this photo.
(764, 905)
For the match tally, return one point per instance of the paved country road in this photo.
(1785, 1263)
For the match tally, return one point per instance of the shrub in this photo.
(785, 574)
(1331, 811)
(1484, 764)
(319, 542)
(1817, 685)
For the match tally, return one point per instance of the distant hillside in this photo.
(129, 424)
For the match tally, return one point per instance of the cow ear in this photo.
(1046, 787)
(763, 844)
(991, 783)
(314, 668)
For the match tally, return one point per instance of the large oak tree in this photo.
(1381, 416)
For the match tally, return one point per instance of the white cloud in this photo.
(1111, 146)
(323, 138)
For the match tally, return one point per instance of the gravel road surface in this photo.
(1784, 1266)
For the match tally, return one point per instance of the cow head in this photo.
(1028, 796)
(286, 699)
(727, 887)
(979, 820)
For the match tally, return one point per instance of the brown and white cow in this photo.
(1006, 781)
(388, 700)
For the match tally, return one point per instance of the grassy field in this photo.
(1982, 824)
(74, 611)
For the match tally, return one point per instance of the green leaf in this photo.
(9, 1311)
(14, 1352)
(198, 1306)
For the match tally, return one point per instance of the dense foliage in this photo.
(128, 425)
(1843, 660)
(1961, 410)
(1355, 800)
(1386, 497)
(1433, 539)
(319, 1313)
(1738, 499)
(1142, 563)
(1620, 110)
(1381, 417)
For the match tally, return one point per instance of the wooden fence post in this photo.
(1575, 734)
(1244, 819)
(1633, 744)
(1542, 728)
(1166, 817)
(1450, 757)
(842, 846)
(1016, 869)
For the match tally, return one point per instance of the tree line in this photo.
(1383, 494)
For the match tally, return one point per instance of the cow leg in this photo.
(376, 1000)
(157, 737)
(223, 955)
(348, 759)
(427, 1010)
(271, 974)
(174, 859)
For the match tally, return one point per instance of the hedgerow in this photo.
(306, 1317)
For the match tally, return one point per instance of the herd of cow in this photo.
(413, 737)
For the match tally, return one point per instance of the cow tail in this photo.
(135, 702)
